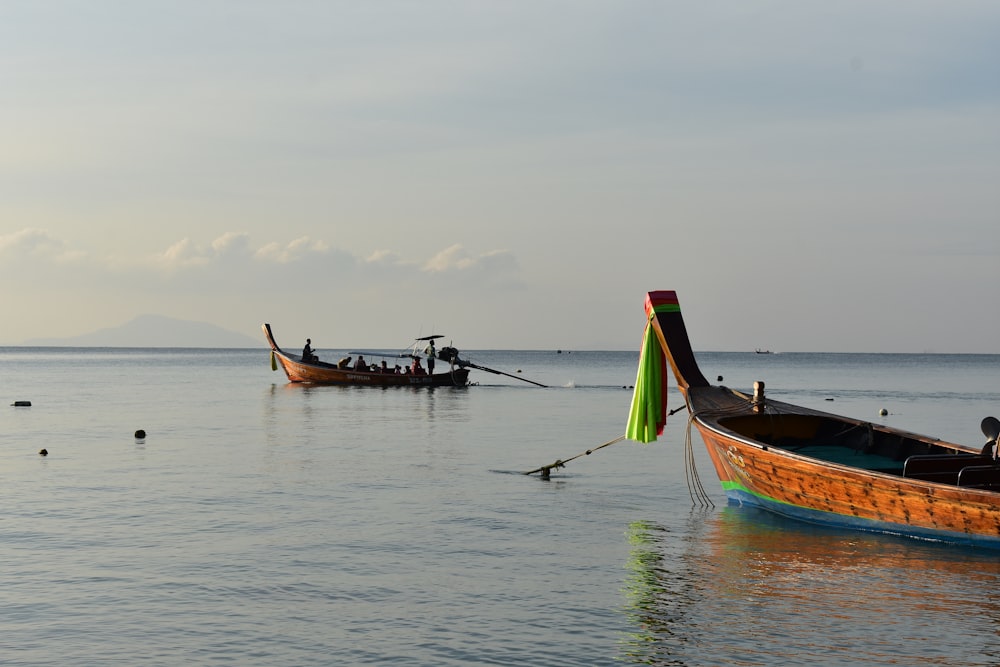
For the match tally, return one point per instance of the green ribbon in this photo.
(649, 400)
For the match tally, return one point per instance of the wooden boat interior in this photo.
(863, 445)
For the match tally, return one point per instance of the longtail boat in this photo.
(815, 466)
(315, 371)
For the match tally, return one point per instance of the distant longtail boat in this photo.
(297, 369)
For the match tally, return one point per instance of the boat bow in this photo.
(816, 466)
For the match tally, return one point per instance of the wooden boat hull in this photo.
(802, 488)
(319, 372)
(828, 469)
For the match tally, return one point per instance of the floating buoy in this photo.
(43, 452)
(883, 412)
(21, 404)
(140, 434)
(718, 379)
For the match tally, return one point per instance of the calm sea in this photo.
(263, 523)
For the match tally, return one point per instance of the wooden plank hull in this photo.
(319, 372)
(828, 469)
(330, 374)
(820, 492)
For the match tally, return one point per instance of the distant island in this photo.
(154, 331)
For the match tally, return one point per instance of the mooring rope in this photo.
(561, 463)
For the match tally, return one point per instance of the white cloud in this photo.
(231, 242)
(291, 252)
(37, 244)
(451, 258)
(455, 258)
(385, 257)
(183, 253)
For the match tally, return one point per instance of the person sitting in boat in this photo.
(307, 351)
(396, 370)
(345, 362)
(417, 368)
(360, 364)
(384, 368)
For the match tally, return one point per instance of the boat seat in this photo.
(980, 477)
(943, 468)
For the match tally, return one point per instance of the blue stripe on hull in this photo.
(741, 496)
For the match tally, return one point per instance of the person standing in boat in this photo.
(430, 352)
(307, 351)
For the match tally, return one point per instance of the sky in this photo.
(808, 176)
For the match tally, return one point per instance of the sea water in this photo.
(264, 523)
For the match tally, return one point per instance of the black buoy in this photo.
(43, 452)
(718, 379)
(140, 434)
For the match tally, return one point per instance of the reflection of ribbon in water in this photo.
(644, 590)
(660, 589)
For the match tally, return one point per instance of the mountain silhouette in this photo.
(155, 331)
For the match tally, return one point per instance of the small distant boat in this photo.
(456, 373)
(760, 351)
(814, 466)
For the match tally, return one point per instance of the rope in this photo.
(699, 496)
(560, 463)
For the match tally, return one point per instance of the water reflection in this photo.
(744, 587)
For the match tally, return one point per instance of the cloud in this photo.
(456, 259)
(38, 245)
(384, 258)
(451, 258)
(234, 250)
(295, 251)
(185, 253)
(231, 263)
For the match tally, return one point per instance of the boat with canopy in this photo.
(308, 368)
